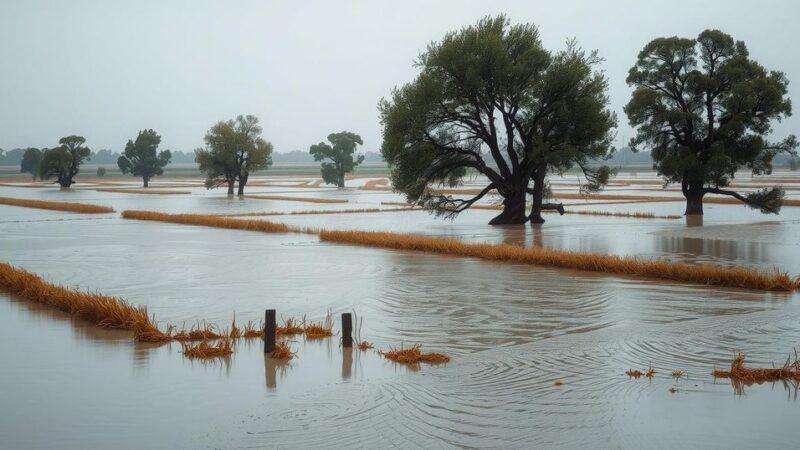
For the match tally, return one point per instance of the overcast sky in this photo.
(106, 69)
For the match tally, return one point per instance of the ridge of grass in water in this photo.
(222, 348)
(298, 199)
(634, 214)
(595, 262)
(738, 372)
(104, 311)
(84, 208)
(152, 191)
(414, 355)
(209, 220)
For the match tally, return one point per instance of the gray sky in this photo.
(106, 69)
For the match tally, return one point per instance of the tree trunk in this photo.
(513, 209)
(146, 180)
(694, 200)
(65, 182)
(230, 187)
(538, 194)
(341, 181)
(242, 183)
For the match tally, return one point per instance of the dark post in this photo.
(269, 330)
(347, 330)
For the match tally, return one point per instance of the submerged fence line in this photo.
(84, 208)
(657, 269)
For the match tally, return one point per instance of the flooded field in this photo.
(538, 354)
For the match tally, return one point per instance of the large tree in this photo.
(64, 162)
(141, 157)
(705, 108)
(490, 100)
(31, 161)
(576, 128)
(234, 149)
(340, 155)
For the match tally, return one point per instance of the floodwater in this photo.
(511, 330)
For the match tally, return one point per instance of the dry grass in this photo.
(251, 331)
(319, 330)
(365, 345)
(634, 373)
(377, 183)
(142, 191)
(414, 355)
(102, 310)
(738, 372)
(83, 208)
(636, 215)
(290, 327)
(677, 374)
(209, 221)
(204, 349)
(200, 331)
(282, 351)
(298, 199)
(594, 262)
(650, 373)
(314, 212)
(558, 383)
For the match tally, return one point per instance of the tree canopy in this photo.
(141, 158)
(31, 161)
(63, 162)
(339, 155)
(490, 100)
(234, 149)
(705, 108)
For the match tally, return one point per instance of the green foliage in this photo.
(233, 150)
(340, 155)
(489, 99)
(101, 172)
(63, 162)
(706, 108)
(141, 158)
(31, 161)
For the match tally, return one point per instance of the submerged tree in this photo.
(705, 108)
(490, 100)
(31, 161)
(340, 153)
(576, 127)
(141, 159)
(63, 162)
(233, 150)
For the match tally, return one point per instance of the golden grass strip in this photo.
(102, 310)
(282, 351)
(205, 349)
(298, 199)
(414, 355)
(209, 221)
(625, 265)
(633, 214)
(738, 372)
(83, 208)
(315, 212)
(151, 191)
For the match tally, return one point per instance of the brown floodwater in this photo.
(511, 330)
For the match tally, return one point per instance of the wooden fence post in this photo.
(347, 330)
(269, 330)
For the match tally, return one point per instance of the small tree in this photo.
(64, 162)
(101, 172)
(140, 158)
(705, 108)
(234, 149)
(340, 153)
(31, 161)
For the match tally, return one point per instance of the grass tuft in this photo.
(282, 351)
(204, 349)
(319, 330)
(738, 372)
(414, 355)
